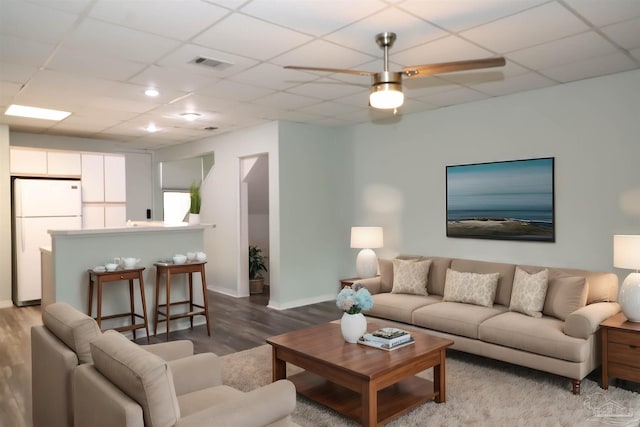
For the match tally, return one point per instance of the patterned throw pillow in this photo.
(529, 292)
(410, 276)
(470, 288)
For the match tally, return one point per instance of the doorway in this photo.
(255, 220)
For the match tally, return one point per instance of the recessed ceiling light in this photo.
(151, 92)
(36, 113)
(190, 116)
(151, 128)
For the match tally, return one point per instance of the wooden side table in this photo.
(169, 270)
(348, 282)
(620, 349)
(98, 278)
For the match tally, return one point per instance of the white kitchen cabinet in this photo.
(23, 161)
(63, 163)
(115, 215)
(92, 216)
(115, 184)
(92, 178)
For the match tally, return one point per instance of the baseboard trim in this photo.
(6, 304)
(301, 302)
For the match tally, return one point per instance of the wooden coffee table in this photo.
(366, 384)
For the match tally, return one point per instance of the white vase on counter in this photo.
(194, 218)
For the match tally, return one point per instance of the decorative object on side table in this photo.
(196, 201)
(626, 254)
(256, 265)
(367, 239)
(352, 301)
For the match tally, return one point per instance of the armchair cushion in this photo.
(72, 327)
(145, 377)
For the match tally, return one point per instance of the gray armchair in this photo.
(128, 386)
(58, 347)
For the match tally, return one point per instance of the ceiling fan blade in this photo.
(448, 67)
(331, 70)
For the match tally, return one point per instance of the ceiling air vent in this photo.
(211, 63)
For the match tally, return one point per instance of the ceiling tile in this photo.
(328, 89)
(25, 52)
(320, 53)
(443, 50)
(315, 18)
(73, 6)
(196, 103)
(7, 91)
(604, 12)
(33, 22)
(534, 26)
(625, 34)
(119, 104)
(183, 57)
(273, 40)
(591, 67)
(119, 42)
(82, 123)
(94, 64)
(459, 95)
(563, 51)
(484, 75)
(16, 73)
(226, 89)
(168, 77)
(329, 109)
(273, 77)
(515, 84)
(286, 101)
(168, 18)
(459, 15)
(410, 32)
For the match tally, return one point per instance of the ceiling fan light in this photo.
(386, 96)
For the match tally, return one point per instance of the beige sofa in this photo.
(563, 340)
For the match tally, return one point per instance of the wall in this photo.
(591, 127)
(5, 219)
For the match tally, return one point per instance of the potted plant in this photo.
(256, 265)
(194, 208)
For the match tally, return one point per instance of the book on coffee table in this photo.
(383, 346)
(389, 336)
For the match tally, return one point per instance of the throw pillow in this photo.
(470, 288)
(410, 276)
(529, 292)
(566, 294)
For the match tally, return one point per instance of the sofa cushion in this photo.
(437, 274)
(565, 295)
(72, 327)
(455, 318)
(470, 288)
(529, 292)
(196, 401)
(385, 266)
(503, 293)
(143, 376)
(399, 306)
(541, 336)
(410, 276)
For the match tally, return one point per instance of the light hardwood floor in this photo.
(236, 324)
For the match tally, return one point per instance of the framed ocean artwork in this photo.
(510, 200)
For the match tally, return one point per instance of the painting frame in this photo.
(502, 200)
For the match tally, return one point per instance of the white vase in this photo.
(353, 326)
(194, 218)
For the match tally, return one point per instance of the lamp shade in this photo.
(366, 237)
(626, 252)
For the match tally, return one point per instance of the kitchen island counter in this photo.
(74, 252)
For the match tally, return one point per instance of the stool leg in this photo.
(132, 308)
(156, 311)
(168, 292)
(144, 305)
(205, 298)
(191, 298)
(99, 304)
(90, 295)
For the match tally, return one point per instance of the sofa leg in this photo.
(575, 386)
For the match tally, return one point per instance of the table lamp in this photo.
(626, 254)
(366, 238)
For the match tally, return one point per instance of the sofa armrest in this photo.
(195, 373)
(99, 403)
(171, 350)
(585, 321)
(257, 408)
(371, 283)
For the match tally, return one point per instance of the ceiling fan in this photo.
(386, 86)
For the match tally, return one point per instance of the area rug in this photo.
(480, 392)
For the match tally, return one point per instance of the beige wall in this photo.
(5, 219)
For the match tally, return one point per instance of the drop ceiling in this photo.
(95, 58)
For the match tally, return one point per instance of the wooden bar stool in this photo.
(100, 277)
(170, 270)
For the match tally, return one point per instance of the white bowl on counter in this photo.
(179, 259)
(111, 266)
(201, 256)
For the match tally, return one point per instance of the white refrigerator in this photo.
(39, 205)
